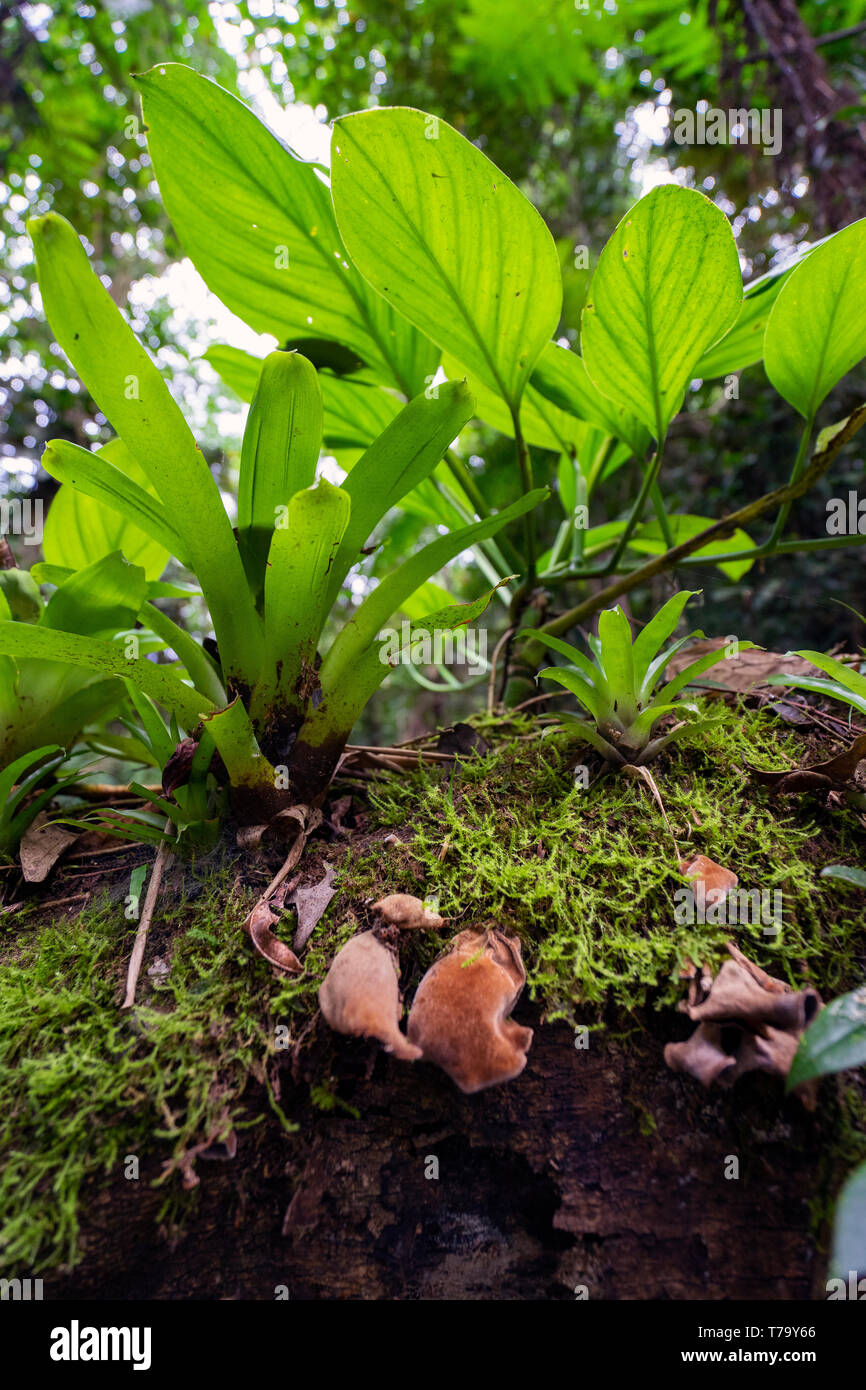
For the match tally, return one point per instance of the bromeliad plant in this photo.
(277, 709)
(616, 684)
(422, 252)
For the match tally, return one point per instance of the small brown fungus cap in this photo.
(360, 995)
(706, 875)
(459, 1017)
(403, 910)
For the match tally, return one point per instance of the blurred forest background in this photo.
(572, 98)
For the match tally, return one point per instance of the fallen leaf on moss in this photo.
(41, 846)
(259, 923)
(836, 772)
(705, 876)
(311, 904)
(744, 674)
(360, 995)
(460, 1014)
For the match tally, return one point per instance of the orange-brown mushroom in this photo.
(360, 995)
(405, 911)
(459, 1017)
(707, 878)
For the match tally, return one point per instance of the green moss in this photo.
(585, 876)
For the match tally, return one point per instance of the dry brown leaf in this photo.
(259, 924)
(311, 903)
(42, 845)
(837, 771)
(744, 674)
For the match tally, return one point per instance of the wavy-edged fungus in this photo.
(747, 1021)
(360, 995)
(459, 1016)
(405, 911)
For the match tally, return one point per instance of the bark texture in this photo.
(595, 1168)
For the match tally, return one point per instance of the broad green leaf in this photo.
(561, 377)
(103, 598)
(447, 239)
(743, 344)
(834, 1041)
(543, 424)
(846, 873)
(279, 453)
(258, 225)
(133, 396)
(401, 458)
(817, 329)
(649, 540)
(88, 521)
(303, 553)
(386, 599)
(849, 1227)
(42, 644)
(667, 286)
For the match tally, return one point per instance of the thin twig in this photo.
(153, 888)
(491, 688)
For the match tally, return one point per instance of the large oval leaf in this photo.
(667, 286)
(257, 223)
(817, 329)
(849, 1227)
(835, 1041)
(561, 377)
(447, 239)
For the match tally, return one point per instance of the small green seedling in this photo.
(615, 685)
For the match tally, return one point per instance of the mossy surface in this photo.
(585, 875)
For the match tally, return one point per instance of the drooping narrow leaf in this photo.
(43, 644)
(133, 396)
(816, 331)
(447, 239)
(667, 286)
(279, 453)
(104, 505)
(395, 463)
(257, 223)
(362, 628)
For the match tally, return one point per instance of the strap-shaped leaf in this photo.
(617, 660)
(667, 286)
(332, 721)
(103, 506)
(257, 223)
(561, 377)
(42, 644)
(691, 673)
(301, 557)
(131, 393)
(361, 630)
(817, 329)
(279, 453)
(586, 694)
(395, 463)
(655, 633)
(447, 239)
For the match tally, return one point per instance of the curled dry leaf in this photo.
(460, 1014)
(177, 770)
(835, 772)
(404, 910)
(360, 995)
(747, 1021)
(259, 924)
